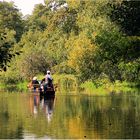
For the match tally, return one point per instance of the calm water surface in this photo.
(24, 116)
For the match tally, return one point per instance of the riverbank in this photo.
(20, 86)
(70, 83)
(116, 87)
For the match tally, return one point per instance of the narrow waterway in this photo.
(76, 116)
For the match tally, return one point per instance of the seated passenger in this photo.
(35, 83)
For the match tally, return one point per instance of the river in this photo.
(69, 116)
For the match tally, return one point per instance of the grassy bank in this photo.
(20, 86)
(117, 87)
(69, 83)
(64, 83)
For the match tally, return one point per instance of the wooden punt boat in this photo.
(49, 92)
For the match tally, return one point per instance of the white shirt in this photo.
(46, 77)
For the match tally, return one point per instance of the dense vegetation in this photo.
(93, 40)
(11, 30)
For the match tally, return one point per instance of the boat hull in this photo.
(48, 93)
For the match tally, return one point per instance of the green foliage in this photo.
(38, 21)
(99, 46)
(6, 48)
(65, 80)
(22, 86)
(104, 87)
(127, 15)
(91, 88)
(130, 71)
(83, 38)
(10, 18)
(12, 76)
(11, 29)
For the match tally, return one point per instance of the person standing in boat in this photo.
(48, 75)
(48, 81)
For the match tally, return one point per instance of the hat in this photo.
(48, 72)
(34, 78)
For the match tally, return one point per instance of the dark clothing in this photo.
(50, 82)
(48, 85)
(43, 80)
(35, 84)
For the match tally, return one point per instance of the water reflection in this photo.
(48, 107)
(36, 103)
(46, 104)
(69, 116)
(9, 126)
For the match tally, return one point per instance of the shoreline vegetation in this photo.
(88, 45)
(70, 83)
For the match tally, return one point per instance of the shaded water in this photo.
(69, 116)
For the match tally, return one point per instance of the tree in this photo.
(6, 51)
(11, 29)
(11, 18)
(127, 15)
(78, 37)
(38, 20)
